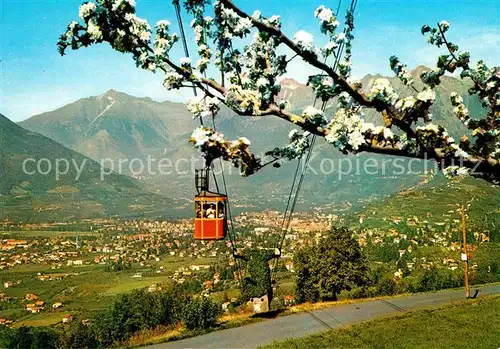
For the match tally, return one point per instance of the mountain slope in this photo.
(436, 203)
(31, 190)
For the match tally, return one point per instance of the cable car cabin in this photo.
(210, 221)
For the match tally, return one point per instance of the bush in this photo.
(334, 264)
(137, 311)
(200, 314)
(29, 338)
(386, 286)
(355, 293)
(81, 336)
(277, 303)
(409, 284)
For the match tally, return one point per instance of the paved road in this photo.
(300, 325)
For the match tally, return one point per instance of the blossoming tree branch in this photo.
(247, 51)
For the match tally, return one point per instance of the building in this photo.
(67, 318)
(57, 305)
(288, 299)
(260, 305)
(31, 297)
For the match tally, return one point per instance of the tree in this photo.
(248, 85)
(333, 264)
(200, 314)
(137, 311)
(257, 280)
(81, 336)
(26, 337)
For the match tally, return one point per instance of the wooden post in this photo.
(464, 255)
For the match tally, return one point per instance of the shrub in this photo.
(200, 314)
(386, 286)
(334, 264)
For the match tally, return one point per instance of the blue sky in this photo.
(35, 79)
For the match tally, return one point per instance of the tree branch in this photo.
(343, 83)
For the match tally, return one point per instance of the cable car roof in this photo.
(209, 194)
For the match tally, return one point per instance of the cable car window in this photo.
(210, 210)
(220, 210)
(198, 209)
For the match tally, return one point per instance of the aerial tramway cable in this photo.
(231, 232)
(294, 191)
(287, 216)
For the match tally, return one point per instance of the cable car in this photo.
(210, 220)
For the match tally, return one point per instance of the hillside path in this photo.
(303, 324)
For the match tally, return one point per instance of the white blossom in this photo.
(340, 38)
(304, 40)
(293, 133)
(456, 98)
(172, 80)
(445, 25)
(118, 3)
(256, 14)
(367, 126)
(327, 82)
(185, 61)
(406, 103)
(330, 46)
(314, 115)
(198, 33)
(86, 10)
(426, 95)
(202, 63)
(72, 25)
(388, 133)
(429, 127)
(243, 25)
(262, 82)
(345, 130)
(456, 171)
(163, 23)
(274, 20)
(244, 140)
(382, 90)
(94, 30)
(356, 139)
(203, 106)
(324, 14)
(200, 136)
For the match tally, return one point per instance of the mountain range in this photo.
(121, 132)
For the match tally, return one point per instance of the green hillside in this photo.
(436, 204)
(32, 195)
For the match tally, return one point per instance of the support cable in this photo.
(288, 215)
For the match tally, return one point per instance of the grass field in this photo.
(473, 324)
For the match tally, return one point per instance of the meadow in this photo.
(83, 289)
(472, 324)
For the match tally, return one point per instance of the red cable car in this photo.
(210, 222)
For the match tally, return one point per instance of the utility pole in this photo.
(465, 257)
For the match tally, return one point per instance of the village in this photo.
(151, 254)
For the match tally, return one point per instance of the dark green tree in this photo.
(333, 264)
(81, 336)
(257, 280)
(29, 338)
(200, 314)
